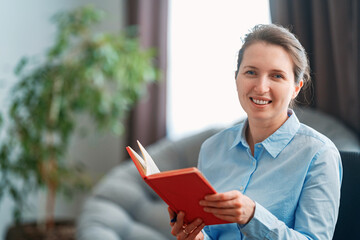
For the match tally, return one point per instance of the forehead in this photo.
(266, 55)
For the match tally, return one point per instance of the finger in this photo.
(196, 231)
(227, 204)
(183, 234)
(223, 211)
(222, 196)
(172, 216)
(192, 226)
(177, 227)
(227, 218)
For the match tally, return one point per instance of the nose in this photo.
(262, 84)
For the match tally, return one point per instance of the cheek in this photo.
(280, 92)
(288, 93)
(241, 91)
(240, 86)
(292, 92)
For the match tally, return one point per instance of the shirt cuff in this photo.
(260, 225)
(206, 237)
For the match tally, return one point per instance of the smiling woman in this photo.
(266, 85)
(275, 178)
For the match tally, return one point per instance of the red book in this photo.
(181, 189)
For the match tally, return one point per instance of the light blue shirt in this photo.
(294, 178)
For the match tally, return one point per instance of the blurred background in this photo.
(196, 43)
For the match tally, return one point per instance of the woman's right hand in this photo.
(185, 231)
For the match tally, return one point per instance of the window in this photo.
(204, 38)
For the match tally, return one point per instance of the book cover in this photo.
(181, 189)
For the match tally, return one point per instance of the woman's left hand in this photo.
(230, 206)
(191, 231)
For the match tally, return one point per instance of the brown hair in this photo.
(278, 35)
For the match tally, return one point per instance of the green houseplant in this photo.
(97, 74)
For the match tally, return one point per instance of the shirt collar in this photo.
(241, 138)
(275, 143)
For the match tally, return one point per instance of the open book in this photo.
(181, 189)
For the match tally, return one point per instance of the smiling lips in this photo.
(259, 101)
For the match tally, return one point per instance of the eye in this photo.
(250, 72)
(278, 76)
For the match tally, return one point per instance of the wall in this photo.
(25, 30)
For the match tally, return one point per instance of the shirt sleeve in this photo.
(206, 236)
(317, 211)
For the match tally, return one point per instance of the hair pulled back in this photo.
(278, 35)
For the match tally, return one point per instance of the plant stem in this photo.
(51, 195)
(51, 167)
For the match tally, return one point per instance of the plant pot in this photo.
(63, 230)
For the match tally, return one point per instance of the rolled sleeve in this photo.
(264, 225)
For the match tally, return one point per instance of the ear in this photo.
(297, 89)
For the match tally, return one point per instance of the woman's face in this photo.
(265, 83)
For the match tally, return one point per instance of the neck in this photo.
(258, 131)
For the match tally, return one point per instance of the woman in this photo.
(275, 177)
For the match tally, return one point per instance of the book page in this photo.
(139, 160)
(151, 167)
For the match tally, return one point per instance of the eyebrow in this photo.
(250, 67)
(272, 70)
(280, 71)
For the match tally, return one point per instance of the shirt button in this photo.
(259, 146)
(241, 188)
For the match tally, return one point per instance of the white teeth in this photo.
(260, 102)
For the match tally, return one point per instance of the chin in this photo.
(261, 114)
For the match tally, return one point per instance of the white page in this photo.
(141, 161)
(151, 167)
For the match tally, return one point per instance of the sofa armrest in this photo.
(123, 206)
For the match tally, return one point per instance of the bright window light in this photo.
(204, 38)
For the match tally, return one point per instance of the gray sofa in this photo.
(123, 207)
